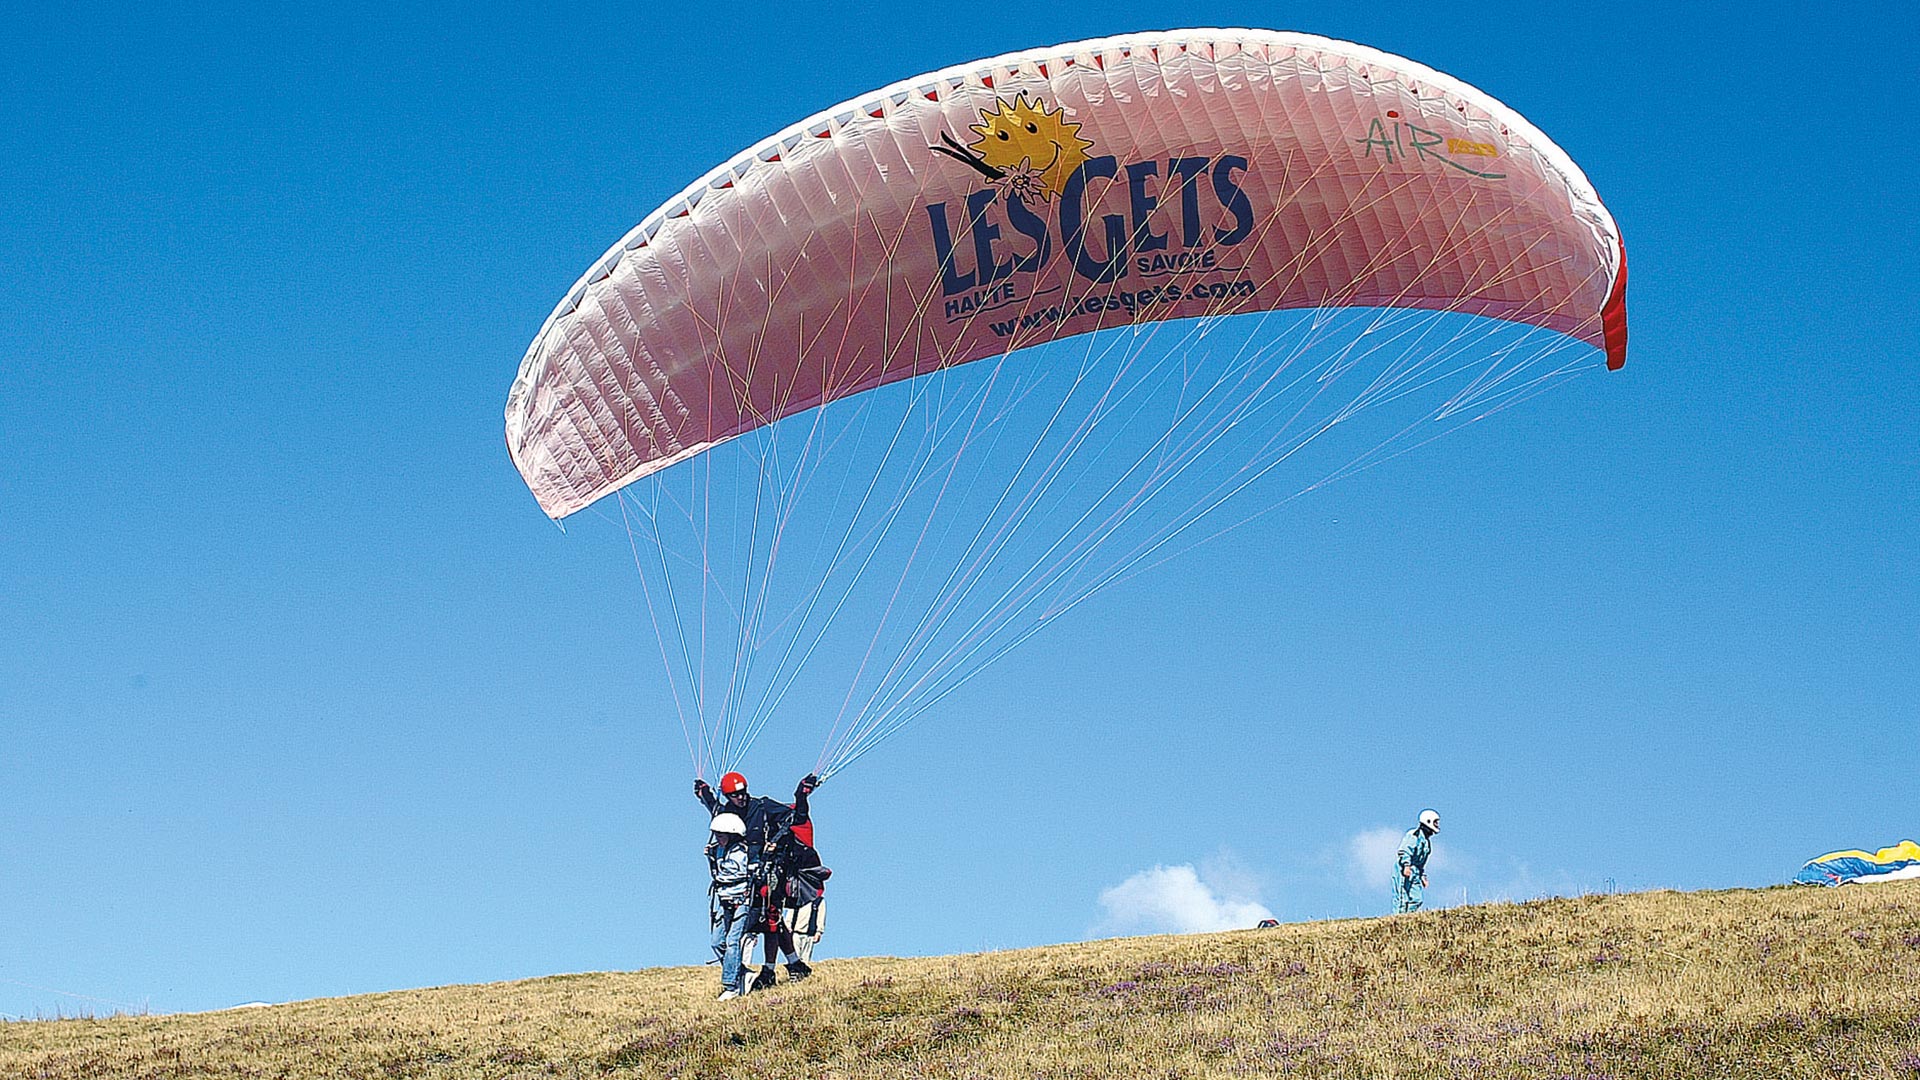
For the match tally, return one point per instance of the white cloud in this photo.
(1178, 900)
(1370, 857)
(1227, 876)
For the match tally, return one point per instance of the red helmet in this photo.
(732, 782)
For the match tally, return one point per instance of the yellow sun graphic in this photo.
(1031, 144)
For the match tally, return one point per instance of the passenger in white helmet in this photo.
(732, 863)
(1410, 863)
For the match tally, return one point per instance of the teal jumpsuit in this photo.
(1414, 849)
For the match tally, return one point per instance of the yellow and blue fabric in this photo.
(1901, 862)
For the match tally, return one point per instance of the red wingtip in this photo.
(1613, 317)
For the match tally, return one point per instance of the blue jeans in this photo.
(729, 925)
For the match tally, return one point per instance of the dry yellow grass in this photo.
(1773, 983)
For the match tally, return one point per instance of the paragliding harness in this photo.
(778, 883)
(713, 885)
(763, 866)
(768, 874)
(806, 883)
(781, 883)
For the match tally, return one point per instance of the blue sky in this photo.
(300, 695)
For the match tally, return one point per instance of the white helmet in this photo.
(1430, 820)
(729, 824)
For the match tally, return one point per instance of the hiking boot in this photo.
(764, 980)
(798, 970)
(728, 994)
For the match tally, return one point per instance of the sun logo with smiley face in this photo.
(1024, 148)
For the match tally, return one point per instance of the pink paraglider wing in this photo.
(998, 205)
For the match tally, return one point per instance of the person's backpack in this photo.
(806, 885)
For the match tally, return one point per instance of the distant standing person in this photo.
(1410, 873)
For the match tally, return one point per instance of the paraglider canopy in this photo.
(988, 252)
(1901, 862)
(993, 206)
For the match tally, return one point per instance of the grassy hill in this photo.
(1773, 983)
